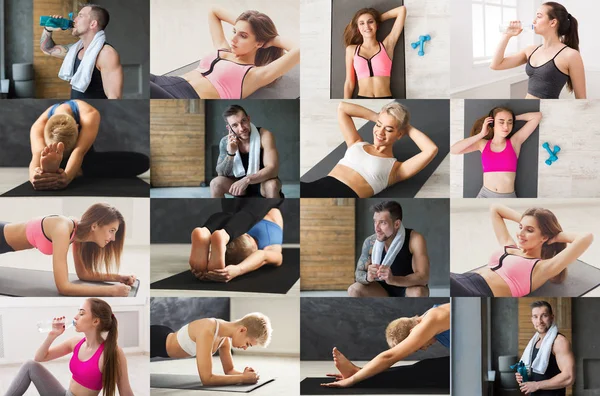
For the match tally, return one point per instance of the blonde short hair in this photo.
(258, 326)
(399, 329)
(399, 112)
(62, 128)
(238, 249)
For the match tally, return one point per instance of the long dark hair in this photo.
(351, 33)
(476, 128)
(108, 322)
(549, 227)
(567, 28)
(264, 29)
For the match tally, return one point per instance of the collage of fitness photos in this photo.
(299, 197)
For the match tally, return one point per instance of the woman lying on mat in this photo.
(368, 59)
(499, 153)
(97, 364)
(256, 57)
(405, 336)
(97, 240)
(204, 337)
(366, 168)
(216, 257)
(542, 253)
(62, 148)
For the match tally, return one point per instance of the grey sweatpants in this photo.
(43, 380)
(487, 193)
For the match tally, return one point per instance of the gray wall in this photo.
(175, 312)
(281, 117)
(430, 217)
(467, 368)
(504, 328)
(357, 326)
(586, 345)
(18, 30)
(174, 219)
(124, 127)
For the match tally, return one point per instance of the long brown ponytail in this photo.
(567, 28)
(108, 322)
(351, 33)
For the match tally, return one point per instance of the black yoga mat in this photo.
(312, 386)
(527, 167)
(267, 279)
(88, 187)
(432, 117)
(191, 382)
(581, 279)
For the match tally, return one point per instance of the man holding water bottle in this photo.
(91, 65)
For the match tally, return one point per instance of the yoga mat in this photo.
(312, 386)
(92, 187)
(582, 278)
(287, 87)
(180, 381)
(432, 117)
(342, 12)
(527, 167)
(19, 282)
(266, 279)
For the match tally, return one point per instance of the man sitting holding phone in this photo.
(248, 162)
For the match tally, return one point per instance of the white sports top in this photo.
(375, 170)
(189, 346)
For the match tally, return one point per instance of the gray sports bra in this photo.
(545, 81)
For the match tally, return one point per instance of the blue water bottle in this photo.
(521, 369)
(62, 23)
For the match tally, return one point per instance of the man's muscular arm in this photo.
(364, 260)
(109, 64)
(225, 161)
(48, 46)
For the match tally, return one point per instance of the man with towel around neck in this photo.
(248, 162)
(91, 65)
(394, 260)
(548, 356)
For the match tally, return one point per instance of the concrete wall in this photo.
(467, 351)
(18, 34)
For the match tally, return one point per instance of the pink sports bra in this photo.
(515, 270)
(225, 75)
(379, 65)
(34, 231)
(503, 161)
(87, 373)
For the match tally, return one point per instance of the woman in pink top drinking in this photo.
(97, 239)
(499, 152)
(367, 60)
(255, 57)
(97, 364)
(540, 252)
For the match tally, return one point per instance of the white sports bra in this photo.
(189, 346)
(375, 170)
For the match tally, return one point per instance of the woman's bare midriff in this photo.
(80, 390)
(500, 182)
(352, 179)
(495, 282)
(16, 237)
(201, 85)
(374, 87)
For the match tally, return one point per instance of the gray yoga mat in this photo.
(190, 382)
(287, 87)
(582, 278)
(342, 12)
(527, 167)
(19, 282)
(432, 117)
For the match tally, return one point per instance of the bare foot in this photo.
(199, 251)
(51, 158)
(345, 366)
(218, 246)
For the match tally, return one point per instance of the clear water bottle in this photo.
(45, 326)
(527, 28)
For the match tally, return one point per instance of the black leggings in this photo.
(326, 187)
(158, 340)
(171, 87)
(237, 218)
(4, 246)
(470, 284)
(117, 164)
(428, 373)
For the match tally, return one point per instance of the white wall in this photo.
(179, 33)
(20, 337)
(284, 313)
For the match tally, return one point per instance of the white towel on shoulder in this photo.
(253, 156)
(540, 364)
(392, 252)
(82, 78)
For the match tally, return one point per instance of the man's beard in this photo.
(385, 238)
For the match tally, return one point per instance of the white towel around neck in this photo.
(253, 156)
(540, 364)
(82, 78)
(392, 252)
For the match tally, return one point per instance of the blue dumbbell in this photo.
(552, 153)
(421, 44)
